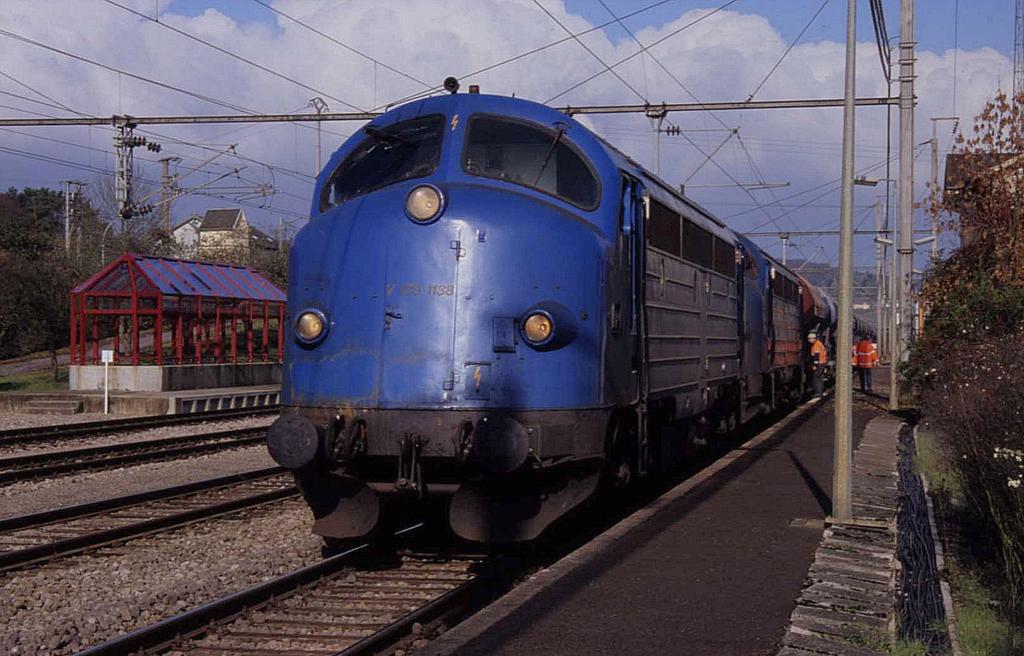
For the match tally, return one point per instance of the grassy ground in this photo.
(981, 628)
(982, 631)
(909, 649)
(36, 381)
(931, 462)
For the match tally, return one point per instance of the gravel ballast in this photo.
(26, 420)
(34, 496)
(85, 600)
(132, 436)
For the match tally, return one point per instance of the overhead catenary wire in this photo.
(643, 49)
(233, 55)
(56, 103)
(787, 50)
(881, 38)
(342, 44)
(708, 157)
(141, 78)
(593, 54)
(85, 167)
(305, 177)
(530, 52)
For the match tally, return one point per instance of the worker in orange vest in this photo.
(819, 358)
(865, 357)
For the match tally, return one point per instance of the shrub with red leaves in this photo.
(974, 397)
(968, 364)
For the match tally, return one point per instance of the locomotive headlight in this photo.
(310, 326)
(548, 326)
(537, 328)
(423, 203)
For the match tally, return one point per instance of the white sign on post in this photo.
(106, 356)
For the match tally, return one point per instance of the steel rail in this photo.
(392, 633)
(48, 551)
(31, 520)
(91, 428)
(162, 634)
(20, 468)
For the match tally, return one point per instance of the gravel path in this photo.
(34, 496)
(85, 600)
(138, 435)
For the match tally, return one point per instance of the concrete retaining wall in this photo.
(151, 378)
(130, 405)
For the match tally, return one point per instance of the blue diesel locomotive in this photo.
(490, 303)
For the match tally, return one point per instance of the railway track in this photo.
(63, 432)
(43, 536)
(56, 463)
(357, 604)
(344, 604)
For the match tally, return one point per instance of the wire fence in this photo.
(921, 616)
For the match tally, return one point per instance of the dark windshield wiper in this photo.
(387, 137)
(551, 150)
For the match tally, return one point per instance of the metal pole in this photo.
(905, 325)
(842, 503)
(319, 104)
(657, 116)
(935, 191)
(67, 216)
(166, 187)
(879, 274)
(122, 180)
(785, 241)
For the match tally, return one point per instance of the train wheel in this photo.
(622, 450)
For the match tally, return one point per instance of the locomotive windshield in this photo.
(404, 150)
(529, 155)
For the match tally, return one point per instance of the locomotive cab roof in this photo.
(458, 108)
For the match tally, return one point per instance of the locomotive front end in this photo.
(447, 314)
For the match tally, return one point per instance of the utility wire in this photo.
(783, 57)
(134, 76)
(707, 157)
(342, 44)
(232, 54)
(63, 162)
(304, 176)
(39, 93)
(607, 68)
(644, 48)
(33, 100)
(881, 38)
(57, 104)
(527, 53)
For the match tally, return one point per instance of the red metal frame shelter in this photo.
(205, 308)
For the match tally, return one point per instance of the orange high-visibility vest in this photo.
(864, 354)
(819, 352)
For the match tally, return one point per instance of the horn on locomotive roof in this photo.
(451, 85)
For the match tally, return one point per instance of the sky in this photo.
(964, 55)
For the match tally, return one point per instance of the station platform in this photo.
(145, 403)
(713, 567)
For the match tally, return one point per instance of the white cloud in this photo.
(721, 58)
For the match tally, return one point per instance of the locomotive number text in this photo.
(413, 289)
